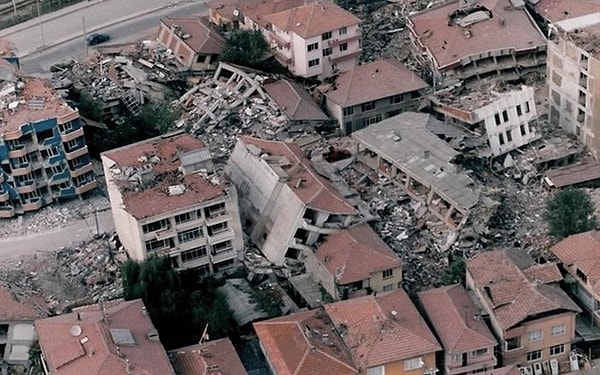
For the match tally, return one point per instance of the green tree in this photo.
(245, 47)
(455, 273)
(89, 107)
(568, 212)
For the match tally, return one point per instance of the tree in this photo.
(455, 273)
(568, 212)
(245, 47)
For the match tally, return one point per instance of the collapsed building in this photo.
(166, 199)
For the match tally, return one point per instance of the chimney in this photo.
(78, 315)
(426, 154)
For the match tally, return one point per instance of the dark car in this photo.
(97, 38)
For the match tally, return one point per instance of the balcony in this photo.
(33, 205)
(22, 170)
(165, 233)
(79, 190)
(77, 153)
(82, 170)
(27, 187)
(282, 43)
(346, 55)
(12, 135)
(7, 212)
(17, 153)
(307, 225)
(56, 159)
(346, 39)
(4, 196)
(57, 178)
(66, 137)
(221, 236)
(50, 142)
(223, 255)
(283, 58)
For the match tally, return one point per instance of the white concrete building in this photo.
(286, 206)
(509, 119)
(166, 200)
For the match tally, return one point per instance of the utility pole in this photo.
(40, 21)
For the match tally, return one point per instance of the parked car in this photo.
(97, 38)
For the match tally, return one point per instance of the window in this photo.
(221, 247)
(505, 116)
(497, 118)
(501, 139)
(72, 144)
(522, 128)
(558, 330)
(182, 218)
(367, 106)
(535, 335)
(195, 253)
(479, 352)
(527, 109)
(224, 265)
(154, 226)
(215, 210)
(217, 228)
(189, 235)
(509, 135)
(343, 47)
(326, 35)
(557, 350)
(581, 275)
(343, 30)
(154, 244)
(348, 111)
(374, 120)
(327, 51)
(388, 273)
(455, 357)
(65, 127)
(535, 355)
(519, 110)
(379, 370)
(397, 99)
(313, 46)
(387, 288)
(413, 364)
(513, 343)
(313, 62)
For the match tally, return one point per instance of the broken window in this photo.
(343, 47)
(313, 62)
(326, 35)
(313, 46)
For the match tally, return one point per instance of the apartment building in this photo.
(286, 206)
(532, 318)
(509, 119)
(467, 342)
(475, 41)
(111, 338)
(369, 93)
(573, 68)
(354, 262)
(193, 42)
(167, 200)
(43, 152)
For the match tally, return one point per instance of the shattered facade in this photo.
(508, 119)
(166, 199)
(43, 152)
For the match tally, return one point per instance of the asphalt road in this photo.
(129, 31)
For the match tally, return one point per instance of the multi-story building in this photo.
(369, 93)
(475, 41)
(467, 341)
(509, 119)
(192, 40)
(532, 318)
(166, 200)
(355, 261)
(286, 205)
(574, 68)
(43, 152)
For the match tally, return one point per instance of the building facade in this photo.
(193, 217)
(43, 152)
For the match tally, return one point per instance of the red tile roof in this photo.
(312, 19)
(82, 342)
(583, 252)
(295, 101)
(560, 10)
(508, 28)
(218, 356)
(512, 295)
(382, 329)
(304, 343)
(373, 81)
(253, 9)
(355, 253)
(13, 309)
(315, 191)
(455, 320)
(202, 37)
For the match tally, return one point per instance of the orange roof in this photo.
(382, 329)
(304, 343)
(508, 28)
(219, 356)
(355, 253)
(12, 309)
(312, 19)
(202, 38)
(92, 340)
(455, 319)
(315, 191)
(582, 251)
(372, 81)
(294, 101)
(560, 10)
(512, 295)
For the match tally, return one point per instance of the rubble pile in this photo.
(84, 273)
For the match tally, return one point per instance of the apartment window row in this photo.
(379, 370)
(537, 355)
(190, 235)
(218, 228)
(327, 35)
(193, 254)
(312, 47)
(154, 244)
(388, 273)
(66, 127)
(188, 216)
(221, 247)
(215, 210)
(313, 62)
(155, 225)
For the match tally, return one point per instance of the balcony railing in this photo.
(22, 170)
(346, 39)
(4, 196)
(346, 55)
(69, 136)
(28, 187)
(6, 212)
(79, 190)
(82, 170)
(313, 228)
(18, 152)
(77, 153)
(33, 205)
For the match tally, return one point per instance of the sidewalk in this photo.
(73, 22)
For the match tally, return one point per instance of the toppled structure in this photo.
(402, 149)
(473, 41)
(167, 200)
(509, 119)
(43, 152)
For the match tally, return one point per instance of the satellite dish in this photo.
(75, 330)
(236, 12)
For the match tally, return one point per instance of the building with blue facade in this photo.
(43, 152)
